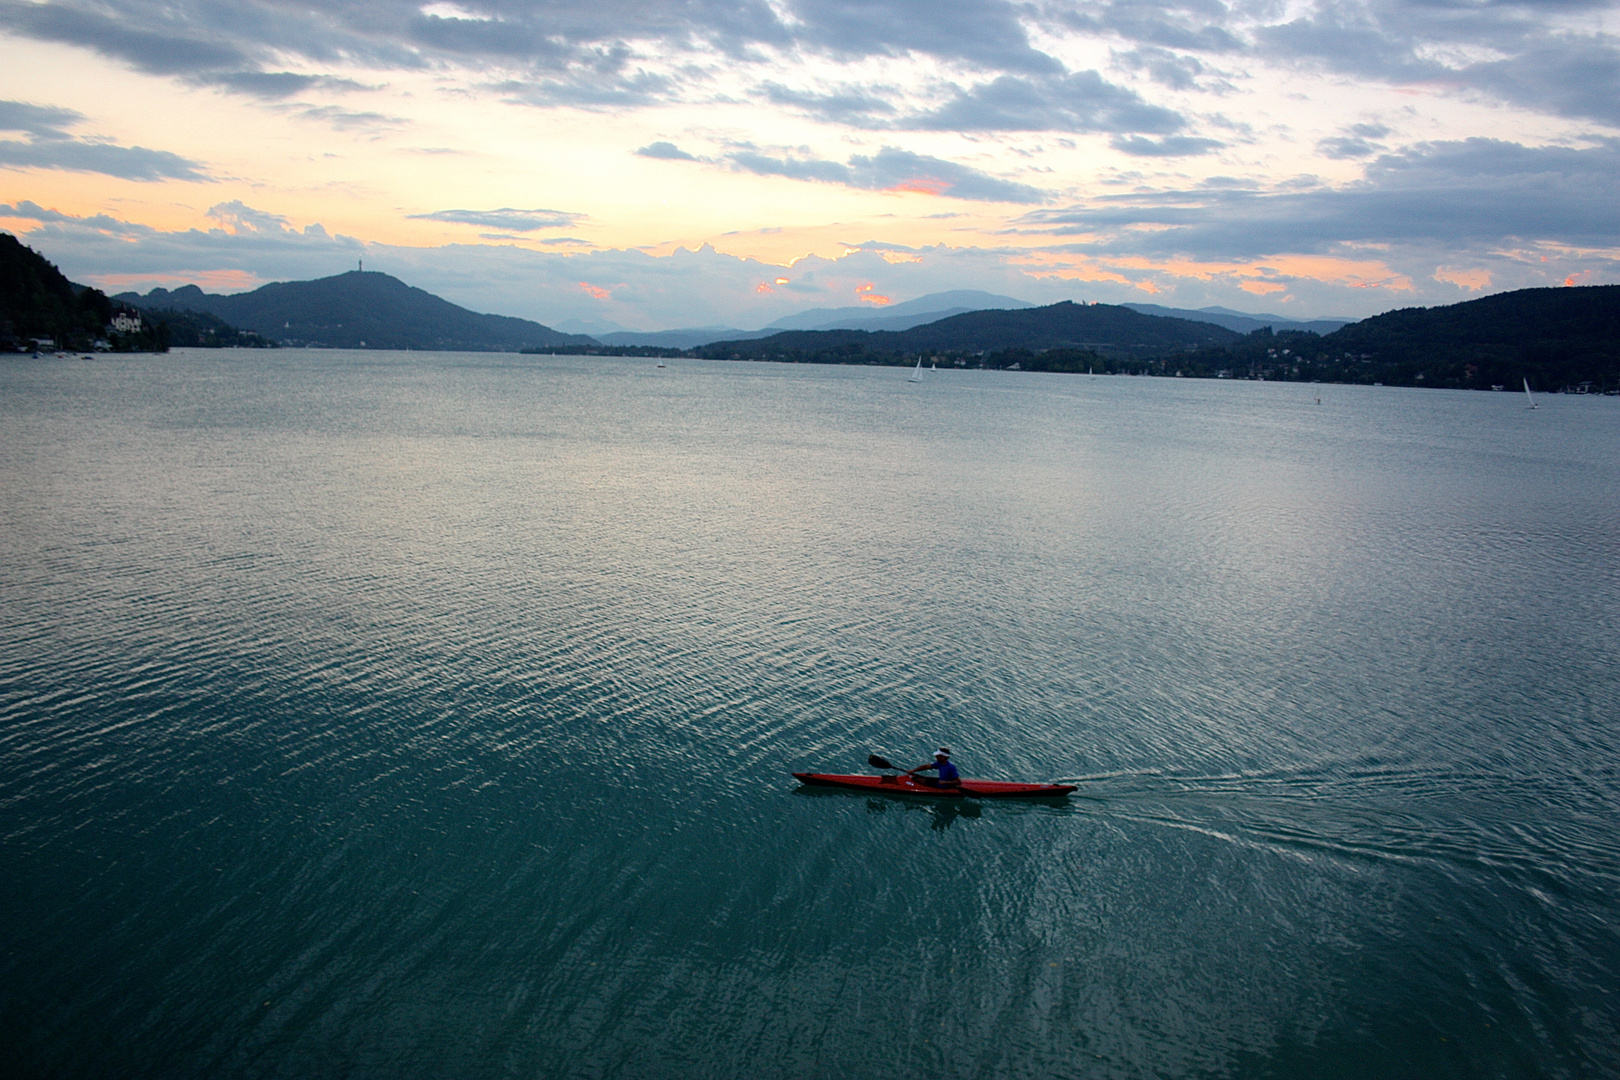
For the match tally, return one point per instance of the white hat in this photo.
(943, 751)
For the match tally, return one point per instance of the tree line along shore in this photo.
(1557, 339)
(42, 311)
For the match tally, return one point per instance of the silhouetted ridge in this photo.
(1559, 338)
(363, 310)
(37, 301)
(1105, 329)
(1579, 318)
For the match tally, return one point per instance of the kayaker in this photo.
(948, 776)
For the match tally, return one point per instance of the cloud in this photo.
(1566, 77)
(274, 85)
(253, 244)
(51, 147)
(706, 287)
(590, 88)
(195, 36)
(1342, 147)
(1169, 146)
(683, 288)
(1553, 57)
(555, 54)
(665, 151)
(1359, 141)
(506, 218)
(105, 224)
(988, 34)
(845, 105)
(38, 120)
(1469, 195)
(892, 169)
(518, 39)
(126, 40)
(818, 169)
(1187, 25)
(221, 45)
(1072, 103)
(241, 218)
(1522, 54)
(351, 120)
(1175, 70)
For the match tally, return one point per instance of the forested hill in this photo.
(1536, 326)
(361, 310)
(1105, 329)
(38, 302)
(1554, 338)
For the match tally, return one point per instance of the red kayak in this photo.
(906, 785)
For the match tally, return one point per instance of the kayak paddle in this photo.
(879, 763)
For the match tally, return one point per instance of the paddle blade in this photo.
(879, 763)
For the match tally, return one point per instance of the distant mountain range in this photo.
(932, 308)
(373, 310)
(1107, 330)
(1242, 322)
(1555, 338)
(358, 310)
(687, 338)
(900, 316)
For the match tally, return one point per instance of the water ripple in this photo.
(361, 714)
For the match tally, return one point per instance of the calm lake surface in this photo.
(432, 715)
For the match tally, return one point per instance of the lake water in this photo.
(432, 715)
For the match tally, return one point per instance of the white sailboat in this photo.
(1527, 396)
(916, 376)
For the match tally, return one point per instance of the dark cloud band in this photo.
(1081, 102)
(994, 76)
(50, 146)
(124, 162)
(128, 38)
(1469, 195)
(39, 120)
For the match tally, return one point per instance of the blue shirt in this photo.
(947, 771)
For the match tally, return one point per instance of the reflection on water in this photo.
(942, 812)
(368, 714)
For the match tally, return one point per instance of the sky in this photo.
(659, 164)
